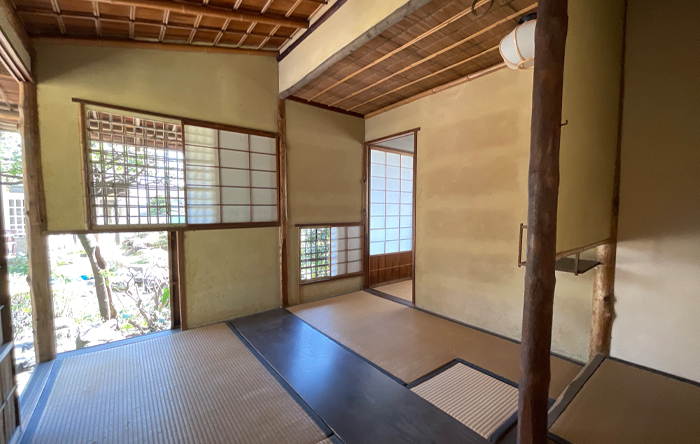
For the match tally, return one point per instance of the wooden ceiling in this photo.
(259, 25)
(9, 100)
(439, 43)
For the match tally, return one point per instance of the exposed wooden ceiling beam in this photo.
(210, 11)
(437, 53)
(432, 74)
(108, 18)
(427, 33)
(162, 46)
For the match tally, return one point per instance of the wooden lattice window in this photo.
(152, 171)
(328, 252)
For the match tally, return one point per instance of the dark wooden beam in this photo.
(131, 44)
(543, 195)
(37, 241)
(282, 130)
(187, 8)
(326, 15)
(326, 107)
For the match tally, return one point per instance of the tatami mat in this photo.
(477, 400)
(622, 404)
(409, 343)
(199, 386)
(403, 290)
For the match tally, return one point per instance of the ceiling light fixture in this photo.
(518, 47)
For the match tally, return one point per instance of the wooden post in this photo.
(603, 301)
(543, 195)
(181, 278)
(5, 296)
(603, 314)
(282, 130)
(37, 242)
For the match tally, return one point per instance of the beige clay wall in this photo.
(324, 151)
(657, 284)
(228, 272)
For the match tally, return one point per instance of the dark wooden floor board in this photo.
(360, 403)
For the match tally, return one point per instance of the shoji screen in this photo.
(391, 202)
(231, 177)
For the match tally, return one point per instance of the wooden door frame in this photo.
(366, 163)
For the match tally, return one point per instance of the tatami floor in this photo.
(403, 289)
(356, 368)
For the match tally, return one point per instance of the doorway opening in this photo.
(390, 200)
(109, 287)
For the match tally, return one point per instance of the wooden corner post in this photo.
(543, 194)
(37, 241)
(282, 130)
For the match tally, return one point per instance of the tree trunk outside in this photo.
(100, 284)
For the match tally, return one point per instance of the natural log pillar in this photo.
(543, 195)
(603, 301)
(282, 130)
(37, 245)
(5, 295)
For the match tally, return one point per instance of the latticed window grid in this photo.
(329, 251)
(137, 171)
(391, 202)
(143, 170)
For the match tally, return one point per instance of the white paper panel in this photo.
(376, 248)
(262, 162)
(354, 267)
(263, 180)
(377, 235)
(378, 156)
(200, 136)
(234, 141)
(202, 175)
(234, 159)
(265, 214)
(235, 178)
(338, 233)
(202, 196)
(203, 215)
(259, 144)
(236, 214)
(240, 196)
(264, 197)
(198, 155)
(354, 255)
(354, 231)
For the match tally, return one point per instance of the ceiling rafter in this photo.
(406, 45)
(57, 10)
(436, 54)
(210, 11)
(130, 21)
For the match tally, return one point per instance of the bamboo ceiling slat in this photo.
(431, 31)
(437, 44)
(264, 25)
(437, 53)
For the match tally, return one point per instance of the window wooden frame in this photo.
(366, 164)
(360, 273)
(92, 227)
